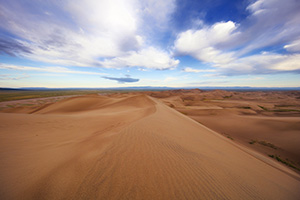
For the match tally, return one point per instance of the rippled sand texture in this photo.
(128, 147)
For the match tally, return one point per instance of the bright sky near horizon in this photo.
(175, 43)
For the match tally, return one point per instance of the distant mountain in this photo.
(161, 88)
(249, 88)
(14, 89)
(36, 88)
(110, 88)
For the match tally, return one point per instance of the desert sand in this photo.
(265, 121)
(129, 146)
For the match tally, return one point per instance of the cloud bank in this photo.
(151, 58)
(240, 48)
(192, 70)
(57, 69)
(82, 33)
(150, 38)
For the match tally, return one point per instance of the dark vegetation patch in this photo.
(264, 143)
(265, 109)
(286, 162)
(228, 136)
(227, 97)
(278, 109)
(252, 142)
(245, 107)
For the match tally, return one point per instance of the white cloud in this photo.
(76, 38)
(157, 14)
(262, 63)
(80, 33)
(204, 44)
(256, 7)
(231, 47)
(294, 46)
(191, 70)
(11, 77)
(272, 22)
(47, 69)
(287, 63)
(151, 58)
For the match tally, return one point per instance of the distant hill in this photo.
(14, 89)
(160, 88)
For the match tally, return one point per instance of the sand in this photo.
(128, 147)
(265, 121)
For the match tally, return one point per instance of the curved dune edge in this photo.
(260, 157)
(128, 148)
(250, 151)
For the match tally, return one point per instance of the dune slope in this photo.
(127, 148)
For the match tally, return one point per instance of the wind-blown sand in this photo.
(265, 121)
(128, 147)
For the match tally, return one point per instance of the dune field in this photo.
(138, 146)
(267, 122)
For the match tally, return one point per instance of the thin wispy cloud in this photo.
(293, 46)
(226, 45)
(192, 70)
(263, 63)
(83, 31)
(59, 70)
(11, 77)
(151, 58)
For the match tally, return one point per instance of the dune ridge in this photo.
(265, 121)
(131, 147)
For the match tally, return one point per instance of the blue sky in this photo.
(120, 43)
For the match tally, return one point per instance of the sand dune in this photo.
(265, 121)
(128, 147)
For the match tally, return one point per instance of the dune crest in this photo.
(132, 147)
